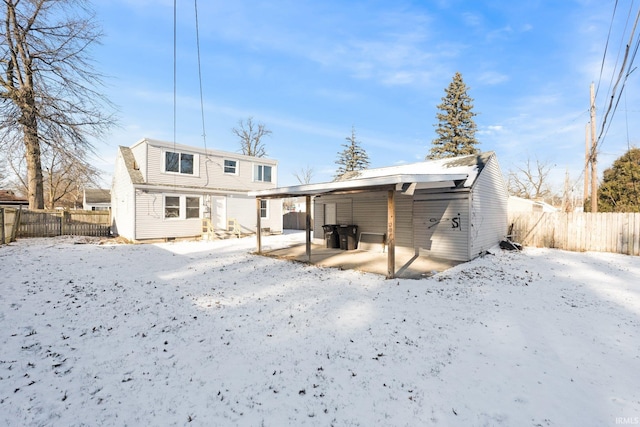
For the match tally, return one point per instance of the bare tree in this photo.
(304, 175)
(530, 181)
(48, 87)
(251, 135)
(64, 176)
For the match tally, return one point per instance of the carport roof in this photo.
(401, 182)
(458, 172)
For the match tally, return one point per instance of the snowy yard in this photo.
(204, 333)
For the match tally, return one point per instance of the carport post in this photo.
(258, 227)
(391, 234)
(308, 226)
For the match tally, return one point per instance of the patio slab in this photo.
(408, 264)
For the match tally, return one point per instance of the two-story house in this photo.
(163, 190)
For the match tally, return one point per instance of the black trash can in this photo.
(331, 237)
(348, 235)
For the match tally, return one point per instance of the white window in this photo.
(262, 173)
(264, 209)
(179, 162)
(231, 166)
(181, 207)
(172, 207)
(192, 207)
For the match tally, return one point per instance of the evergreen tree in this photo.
(620, 189)
(456, 129)
(352, 158)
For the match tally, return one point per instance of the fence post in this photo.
(2, 232)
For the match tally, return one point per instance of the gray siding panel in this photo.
(441, 227)
(489, 201)
(370, 212)
(404, 221)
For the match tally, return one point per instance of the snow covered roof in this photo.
(457, 172)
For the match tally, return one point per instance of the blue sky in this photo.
(311, 70)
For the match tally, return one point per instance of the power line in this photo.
(606, 46)
(204, 134)
(622, 77)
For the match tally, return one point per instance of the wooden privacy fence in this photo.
(295, 221)
(600, 232)
(59, 223)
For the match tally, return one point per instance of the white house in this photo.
(96, 199)
(449, 208)
(163, 190)
(518, 204)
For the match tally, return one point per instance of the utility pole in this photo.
(594, 149)
(587, 157)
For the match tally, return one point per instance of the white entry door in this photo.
(219, 212)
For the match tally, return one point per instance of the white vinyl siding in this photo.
(152, 224)
(489, 201)
(122, 201)
(209, 170)
(441, 227)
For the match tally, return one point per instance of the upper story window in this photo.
(231, 166)
(262, 173)
(178, 162)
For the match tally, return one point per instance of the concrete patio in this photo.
(408, 265)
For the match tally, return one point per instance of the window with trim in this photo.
(172, 207)
(262, 173)
(178, 162)
(181, 207)
(193, 207)
(231, 166)
(264, 209)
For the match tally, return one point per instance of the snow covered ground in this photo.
(204, 333)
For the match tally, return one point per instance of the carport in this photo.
(395, 184)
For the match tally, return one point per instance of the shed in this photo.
(452, 208)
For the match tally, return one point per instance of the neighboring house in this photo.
(518, 204)
(96, 199)
(163, 190)
(9, 199)
(450, 208)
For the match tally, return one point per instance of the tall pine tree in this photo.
(456, 129)
(352, 158)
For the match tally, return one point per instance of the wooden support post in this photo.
(594, 155)
(391, 235)
(587, 162)
(308, 226)
(2, 233)
(258, 227)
